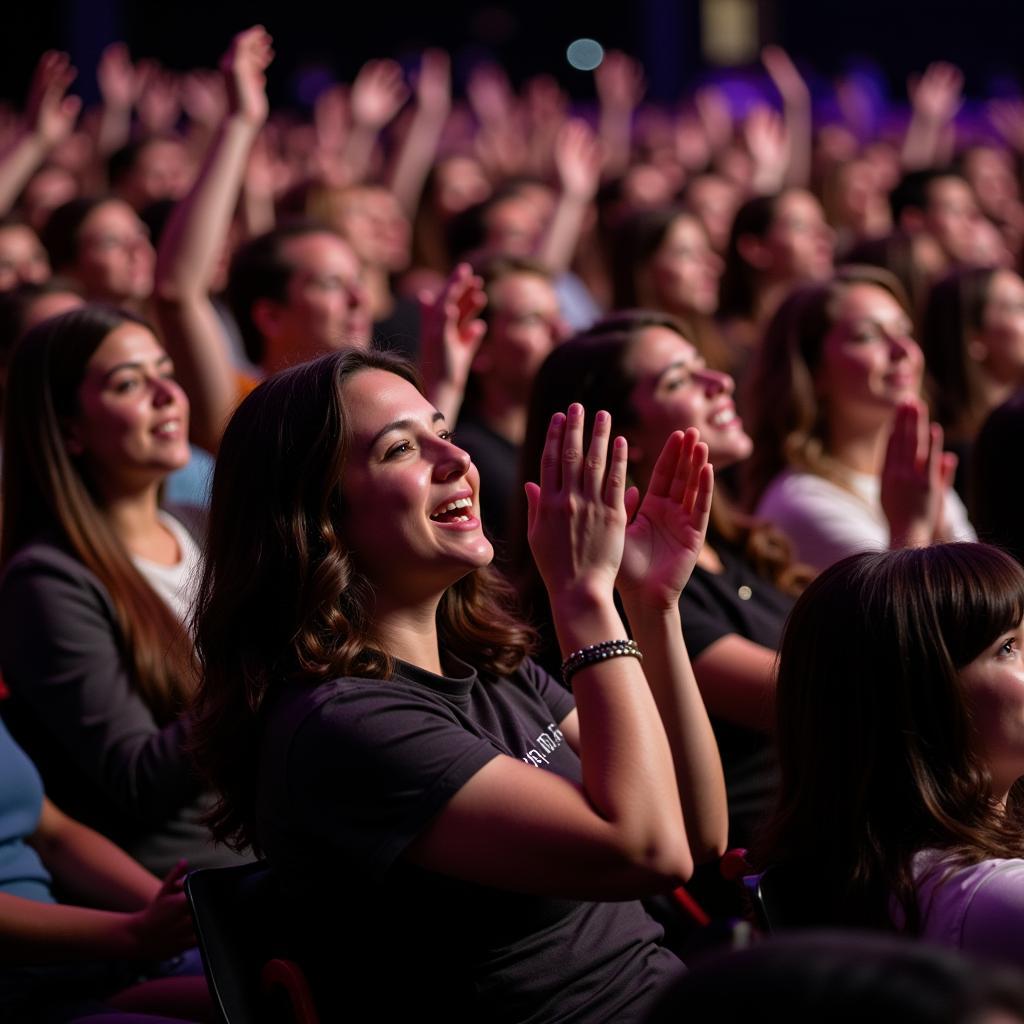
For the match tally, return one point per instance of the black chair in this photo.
(241, 931)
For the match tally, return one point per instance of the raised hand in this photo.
(490, 95)
(667, 533)
(578, 160)
(158, 103)
(116, 77)
(203, 97)
(1007, 117)
(577, 515)
(433, 84)
(712, 106)
(243, 67)
(764, 133)
(50, 114)
(913, 477)
(450, 334)
(938, 94)
(378, 93)
(619, 81)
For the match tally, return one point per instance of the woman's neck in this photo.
(860, 447)
(135, 518)
(410, 634)
(377, 285)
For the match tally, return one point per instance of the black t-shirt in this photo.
(497, 460)
(351, 771)
(737, 601)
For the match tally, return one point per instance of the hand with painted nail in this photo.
(667, 532)
(577, 513)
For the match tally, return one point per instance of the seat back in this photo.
(239, 928)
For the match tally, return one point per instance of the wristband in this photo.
(595, 653)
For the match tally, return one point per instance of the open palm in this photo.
(667, 533)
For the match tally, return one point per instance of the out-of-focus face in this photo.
(131, 428)
(460, 183)
(1000, 342)
(675, 390)
(684, 270)
(952, 216)
(115, 259)
(514, 225)
(23, 259)
(373, 223)
(800, 243)
(48, 188)
(714, 200)
(161, 171)
(869, 360)
(526, 324)
(46, 306)
(990, 173)
(993, 685)
(412, 498)
(325, 306)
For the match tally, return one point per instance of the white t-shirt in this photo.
(176, 584)
(826, 522)
(979, 909)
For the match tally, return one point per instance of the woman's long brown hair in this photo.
(281, 600)
(48, 493)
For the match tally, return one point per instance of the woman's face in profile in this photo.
(675, 390)
(869, 360)
(412, 498)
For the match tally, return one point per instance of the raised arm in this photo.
(50, 116)
(796, 111)
(377, 95)
(662, 545)
(194, 238)
(620, 833)
(935, 97)
(578, 160)
(419, 147)
(619, 81)
(119, 88)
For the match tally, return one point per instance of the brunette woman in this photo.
(97, 582)
(901, 743)
(643, 369)
(845, 458)
(372, 724)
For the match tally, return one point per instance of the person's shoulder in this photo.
(46, 556)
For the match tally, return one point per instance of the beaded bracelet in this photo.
(591, 655)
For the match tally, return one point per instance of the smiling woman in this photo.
(97, 581)
(372, 723)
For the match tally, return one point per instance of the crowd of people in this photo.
(488, 513)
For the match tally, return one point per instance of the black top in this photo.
(714, 605)
(497, 460)
(351, 772)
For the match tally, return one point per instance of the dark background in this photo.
(984, 37)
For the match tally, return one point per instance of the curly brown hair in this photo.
(281, 599)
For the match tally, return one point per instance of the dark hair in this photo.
(281, 599)
(843, 977)
(45, 489)
(60, 233)
(784, 411)
(738, 291)
(996, 487)
(592, 369)
(876, 750)
(895, 253)
(14, 309)
(955, 308)
(911, 191)
(635, 242)
(261, 270)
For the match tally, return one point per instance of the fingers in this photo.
(593, 468)
(572, 448)
(532, 499)
(615, 484)
(551, 457)
(173, 879)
